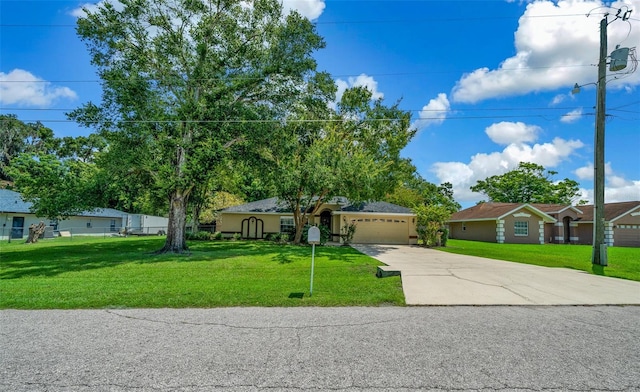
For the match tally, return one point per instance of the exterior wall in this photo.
(535, 233)
(371, 228)
(146, 223)
(474, 231)
(557, 235)
(585, 233)
(232, 223)
(77, 225)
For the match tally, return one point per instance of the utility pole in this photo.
(599, 256)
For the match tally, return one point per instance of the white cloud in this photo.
(435, 112)
(586, 172)
(464, 175)
(93, 7)
(362, 80)
(617, 188)
(20, 87)
(311, 9)
(548, 50)
(512, 132)
(572, 116)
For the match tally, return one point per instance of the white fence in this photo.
(21, 233)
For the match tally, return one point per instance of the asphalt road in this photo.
(345, 349)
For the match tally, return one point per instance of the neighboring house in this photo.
(621, 228)
(522, 223)
(376, 222)
(16, 217)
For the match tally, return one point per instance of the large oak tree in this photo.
(528, 183)
(186, 83)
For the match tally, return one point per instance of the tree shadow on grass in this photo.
(56, 259)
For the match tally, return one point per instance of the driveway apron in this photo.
(433, 277)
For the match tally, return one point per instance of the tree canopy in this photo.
(18, 137)
(187, 83)
(413, 191)
(529, 183)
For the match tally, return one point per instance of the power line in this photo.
(371, 21)
(406, 110)
(335, 76)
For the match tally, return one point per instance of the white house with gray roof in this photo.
(16, 217)
(376, 222)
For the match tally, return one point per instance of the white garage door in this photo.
(382, 230)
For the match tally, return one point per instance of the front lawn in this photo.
(623, 262)
(121, 272)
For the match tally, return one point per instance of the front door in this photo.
(17, 228)
(325, 219)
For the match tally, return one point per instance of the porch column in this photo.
(500, 231)
(559, 232)
(541, 232)
(608, 234)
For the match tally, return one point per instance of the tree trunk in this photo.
(35, 231)
(299, 219)
(176, 230)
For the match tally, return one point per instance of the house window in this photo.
(521, 228)
(112, 225)
(54, 224)
(464, 226)
(89, 225)
(286, 224)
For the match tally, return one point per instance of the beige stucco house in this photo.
(523, 223)
(376, 222)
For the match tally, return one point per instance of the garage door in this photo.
(381, 231)
(627, 235)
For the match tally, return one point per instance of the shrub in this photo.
(430, 221)
(444, 237)
(236, 236)
(216, 236)
(325, 233)
(198, 236)
(347, 231)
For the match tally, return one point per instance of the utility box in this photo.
(619, 59)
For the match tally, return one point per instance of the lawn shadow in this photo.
(59, 259)
(296, 295)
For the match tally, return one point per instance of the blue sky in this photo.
(488, 83)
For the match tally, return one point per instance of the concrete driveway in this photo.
(432, 277)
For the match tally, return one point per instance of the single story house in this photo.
(523, 223)
(376, 222)
(16, 217)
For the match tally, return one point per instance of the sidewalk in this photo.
(432, 277)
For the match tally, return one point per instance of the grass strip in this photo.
(123, 273)
(623, 262)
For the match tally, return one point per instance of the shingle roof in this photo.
(11, 201)
(266, 205)
(489, 211)
(611, 210)
(273, 205)
(376, 206)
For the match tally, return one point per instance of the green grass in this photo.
(623, 262)
(122, 272)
